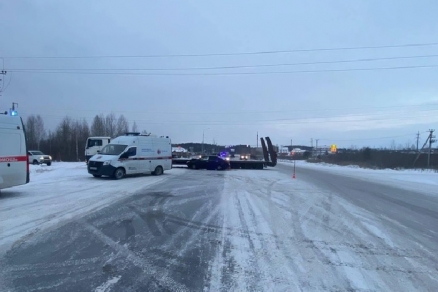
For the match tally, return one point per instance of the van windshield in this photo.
(113, 149)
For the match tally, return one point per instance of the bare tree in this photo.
(98, 126)
(134, 127)
(110, 124)
(64, 140)
(40, 132)
(31, 132)
(122, 126)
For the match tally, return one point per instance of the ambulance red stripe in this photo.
(146, 158)
(13, 159)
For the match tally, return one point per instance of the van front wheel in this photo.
(158, 170)
(119, 173)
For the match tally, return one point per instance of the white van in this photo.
(94, 145)
(132, 154)
(14, 164)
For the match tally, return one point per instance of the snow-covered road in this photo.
(57, 193)
(238, 230)
(409, 179)
(288, 234)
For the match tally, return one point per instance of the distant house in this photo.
(179, 150)
(284, 150)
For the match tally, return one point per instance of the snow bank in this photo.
(61, 192)
(410, 179)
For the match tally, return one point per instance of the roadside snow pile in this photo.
(60, 192)
(412, 179)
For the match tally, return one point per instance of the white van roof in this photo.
(8, 122)
(99, 137)
(128, 139)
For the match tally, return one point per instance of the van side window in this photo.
(132, 151)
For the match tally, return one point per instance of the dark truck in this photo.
(269, 155)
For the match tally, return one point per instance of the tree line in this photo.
(67, 141)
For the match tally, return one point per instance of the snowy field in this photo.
(410, 179)
(60, 192)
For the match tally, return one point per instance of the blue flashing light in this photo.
(14, 113)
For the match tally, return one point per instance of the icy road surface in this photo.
(57, 193)
(238, 230)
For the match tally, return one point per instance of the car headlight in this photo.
(41, 158)
(107, 162)
(50, 157)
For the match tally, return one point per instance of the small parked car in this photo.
(208, 162)
(37, 157)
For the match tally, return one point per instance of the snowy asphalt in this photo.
(410, 213)
(239, 230)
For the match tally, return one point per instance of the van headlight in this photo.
(107, 162)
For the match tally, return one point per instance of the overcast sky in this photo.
(327, 99)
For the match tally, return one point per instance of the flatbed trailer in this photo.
(234, 164)
(247, 164)
(269, 154)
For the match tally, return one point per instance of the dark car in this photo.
(208, 162)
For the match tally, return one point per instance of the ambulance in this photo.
(14, 163)
(133, 153)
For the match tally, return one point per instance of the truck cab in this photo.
(94, 145)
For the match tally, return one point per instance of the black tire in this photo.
(97, 175)
(158, 170)
(49, 163)
(119, 173)
(194, 166)
(219, 167)
(35, 162)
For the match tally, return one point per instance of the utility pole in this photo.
(316, 146)
(311, 142)
(202, 147)
(257, 139)
(77, 148)
(418, 138)
(2, 72)
(431, 140)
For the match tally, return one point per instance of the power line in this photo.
(231, 54)
(263, 112)
(227, 67)
(229, 73)
(258, 121)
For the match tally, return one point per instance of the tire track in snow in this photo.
(135, 260)
(326, 246)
